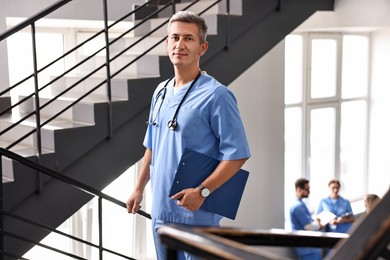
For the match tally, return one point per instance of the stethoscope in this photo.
(172, 124)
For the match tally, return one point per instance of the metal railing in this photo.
(67, 180)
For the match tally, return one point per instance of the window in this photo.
(326, 112)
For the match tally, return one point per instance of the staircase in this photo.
(100, 135)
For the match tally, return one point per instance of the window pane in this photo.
(322, 151)
(323, 68)
(355, 66)
(293, 152)
(293, 69)
(353, 147)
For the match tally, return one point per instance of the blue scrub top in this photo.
(299, 218)
(208, 122)
(340, 207)
(299, 215)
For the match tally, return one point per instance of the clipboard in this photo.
(194, 168)
(325, 217)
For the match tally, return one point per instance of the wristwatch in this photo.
(204, 191)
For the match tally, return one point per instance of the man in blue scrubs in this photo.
(191, 110)
(301, 219)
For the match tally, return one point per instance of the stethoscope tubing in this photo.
(172, 124)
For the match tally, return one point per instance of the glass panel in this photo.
(353, 147)
(292, 153)
(355, 66)
(293, 69)
(323, 68)
(322, 151)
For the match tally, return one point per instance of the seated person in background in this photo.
(370, 201)
(339, 206)
(301, 219)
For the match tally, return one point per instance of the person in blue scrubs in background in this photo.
(339, 206)
(191, 110)
(301, 219)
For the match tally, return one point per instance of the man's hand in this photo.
(189, 199)
(134, 201)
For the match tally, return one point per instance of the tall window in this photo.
(326, 113)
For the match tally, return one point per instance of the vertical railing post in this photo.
(37, 105)
(173, 7)
(108, 70)
(100, 216)
(1, 211)
(228, 25)
(279, 8)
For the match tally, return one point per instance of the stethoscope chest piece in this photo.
(172, 124)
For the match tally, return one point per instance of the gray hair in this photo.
(190, 17)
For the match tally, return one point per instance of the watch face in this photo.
(205, 192)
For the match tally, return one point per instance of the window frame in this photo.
(308, 104)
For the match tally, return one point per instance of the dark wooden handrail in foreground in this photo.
(199, 242)
(278, 237)
(235, 243)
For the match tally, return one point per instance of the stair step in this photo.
(147, 65)
(7, 169)
(26, 126)
(220, 8)
(81, 112)
(150, 25)
(16, 132)
(119, 88)
(140, 47)
(5, 102)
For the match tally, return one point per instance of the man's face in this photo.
(184, 45)
(306, 191)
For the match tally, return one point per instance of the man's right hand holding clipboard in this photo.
(224, 180)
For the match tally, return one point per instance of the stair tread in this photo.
(57, 123)
(23, 150)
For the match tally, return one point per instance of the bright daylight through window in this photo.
(326, 112)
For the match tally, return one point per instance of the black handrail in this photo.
(33, 19)
(80, 185)
(77, 184)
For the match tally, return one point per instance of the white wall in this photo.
(379, 164)
(351, 14)
(260, 94)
